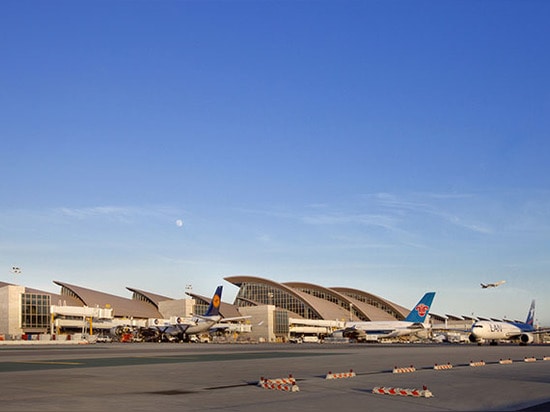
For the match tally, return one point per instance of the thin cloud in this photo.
(401, 206)
(120, 213)
(89, 212)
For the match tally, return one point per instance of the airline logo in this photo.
(422, 309)
(530, 317)
(216, 301)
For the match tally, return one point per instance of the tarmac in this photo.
(216, 377)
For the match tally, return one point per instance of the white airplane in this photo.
(493, 331)
(492, 285)
(413, 323)
(186, 327)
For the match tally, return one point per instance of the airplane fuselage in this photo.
(495, 331)
(386, 328)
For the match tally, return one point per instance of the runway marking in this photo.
(50, 363)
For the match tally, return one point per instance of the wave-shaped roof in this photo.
(122, 307)
(316, 302)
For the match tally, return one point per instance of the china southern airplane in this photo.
(492, 285)
(493, 331)
(413, 323)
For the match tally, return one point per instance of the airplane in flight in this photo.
(492, 285)
(493, 331)
(413, 323)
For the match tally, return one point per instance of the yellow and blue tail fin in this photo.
(214, 307)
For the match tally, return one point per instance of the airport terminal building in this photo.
(274, 311)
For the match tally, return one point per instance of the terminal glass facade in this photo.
(35, 311)
(266, 294)
(374, 302)
(334, 298)
(280, 326)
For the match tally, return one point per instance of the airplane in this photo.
(413, 323)
(198, 324)
(492, 285)
(184, 328)
(181, 330)
(493, 331)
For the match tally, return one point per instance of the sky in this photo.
(395, 147)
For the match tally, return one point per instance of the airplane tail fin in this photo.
(531, 315)
(214, 307)
(420, 311)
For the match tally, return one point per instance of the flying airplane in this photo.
(492, 285)
(493, 331)
(413, 323)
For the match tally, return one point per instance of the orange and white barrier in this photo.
(442, 367)
(279, 384)
(404, 370)
(341, 375)
(531, 359)
(505, 361)
(476, 364)
(290, 380)
(417, 393)
(546, 358)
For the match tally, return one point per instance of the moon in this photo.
(179, 223)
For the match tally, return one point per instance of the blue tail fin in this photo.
(531, 314)
(422, 308)
(214, 307)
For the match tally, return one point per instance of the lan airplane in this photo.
(492, 285)
(413, 323)
(493, 331)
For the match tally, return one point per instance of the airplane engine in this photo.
(526, 338)
(474, 339)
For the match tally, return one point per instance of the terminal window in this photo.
(35, 311)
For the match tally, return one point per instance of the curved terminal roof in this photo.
(122, 307)
(148, 297)
(375, 307)
(315, 302)
(254, 291)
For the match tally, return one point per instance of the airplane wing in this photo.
(418, 325)
(234, 318)
(222, 319)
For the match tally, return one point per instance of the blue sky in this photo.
(395, 147)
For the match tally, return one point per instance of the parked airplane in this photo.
(196, 325)
(493, 331)
(182, 329)
(413, 323)
(492, 285)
